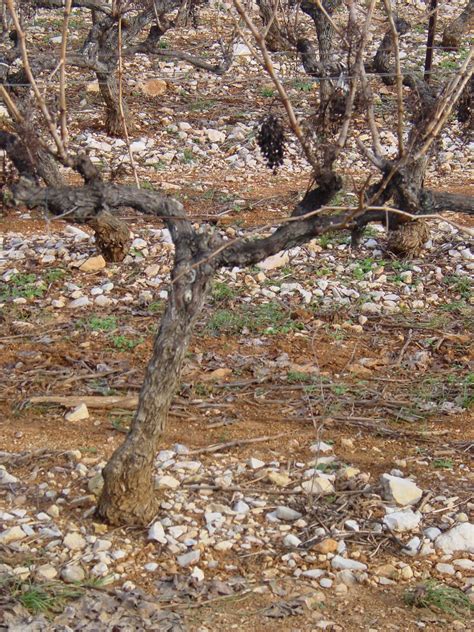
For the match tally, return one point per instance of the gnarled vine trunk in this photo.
(109, 89)
(324, 32)
(112, 236)
(460, 26)
(128, 496)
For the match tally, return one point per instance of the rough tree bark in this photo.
(128, 495)
(112, 236)
(382, 63)
(324, 33)
(460, 26)
(274, 38)
(113, 123)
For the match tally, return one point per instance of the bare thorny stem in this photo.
(445, 106)
(62, 73)
(358, 71)
(268, 65)
(39, 98)
(120, 101)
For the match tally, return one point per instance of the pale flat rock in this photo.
(445, 569)
(93, 264)
(95, 484)
(459, 538)
(6, 478)
(79, 413)
(288, 514)
(215, 136)
(46, 572)
(166, 482)
(274, 261)
(340, 563)
(318, 485)
(73, 573)
(157, 532)
(291, 541)
(279, 479)
(13, 534)
(188, 559)
(400, 490)
(405, 520)
(74, 541)
(321, 446)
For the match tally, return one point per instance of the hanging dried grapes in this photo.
(271, 140)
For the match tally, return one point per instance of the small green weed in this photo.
(157, 307)
(123, 343)
(302, 86)
(22, 285)
(188, 156)
(100, 323)
(56, 274)
(460, 284)
(267, 92)
(443, 464)
(201, 105)
(221, 292)
(438, 596)
(299, 377)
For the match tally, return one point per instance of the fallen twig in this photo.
(233, 444)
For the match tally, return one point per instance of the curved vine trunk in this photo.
(274, 38)
(460, 26)
(110, 93)
(324, 32)
(128, 496)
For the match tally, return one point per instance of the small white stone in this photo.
(432, 533)
(445, 569)
(352, 525)
(291, 541)
(79, 413)
(82, 301)
(459, 538)
(102, 545)
(288, 514)
(224, 545)
(405, 520)
(198, 574)
(325, 582)
(74, 541)
(6, 478)
(166, 482)
(321, 446)
(46, 571)
(215, 136)
(340, 563)
(156, 532)
(73, 573)
(465, 565)
(13, 534)
(314, 573)
(255, 464)
(400, 490)
(274, 261)
(188, 559)
(151, 567)
(241, 507)
(318, 485)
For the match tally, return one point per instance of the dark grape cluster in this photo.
(271, 140)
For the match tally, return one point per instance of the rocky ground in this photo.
(317, 468)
